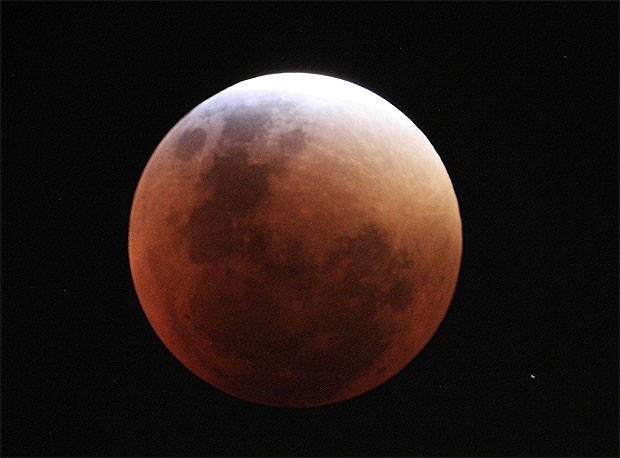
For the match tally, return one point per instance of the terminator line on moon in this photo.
(295, 240)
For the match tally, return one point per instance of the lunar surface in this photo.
(295, 240)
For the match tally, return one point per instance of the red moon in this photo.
(295, 240)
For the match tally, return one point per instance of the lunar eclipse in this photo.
(295, 240)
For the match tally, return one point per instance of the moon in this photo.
(295, 240)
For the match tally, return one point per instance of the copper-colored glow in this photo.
(295, 240)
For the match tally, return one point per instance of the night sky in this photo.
(520, 100)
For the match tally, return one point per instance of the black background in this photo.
(519, 99)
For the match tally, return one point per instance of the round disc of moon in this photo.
(295, 240)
